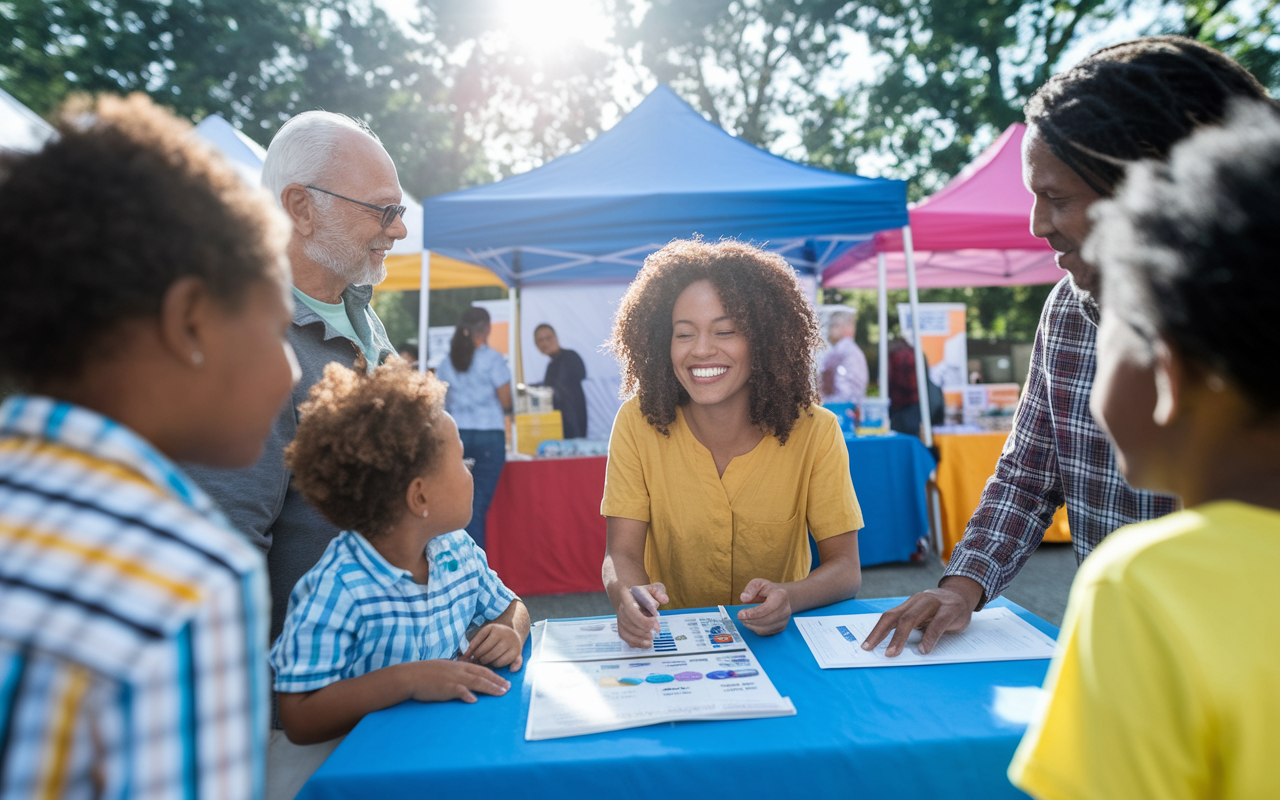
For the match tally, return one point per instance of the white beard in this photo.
(347, 259)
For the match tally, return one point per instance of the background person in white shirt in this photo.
(844, 368)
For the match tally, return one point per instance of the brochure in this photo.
(597, 639)
(587, 680)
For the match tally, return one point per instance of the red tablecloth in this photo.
(544, 533)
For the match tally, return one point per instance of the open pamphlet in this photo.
(994, 634)
(587, 680)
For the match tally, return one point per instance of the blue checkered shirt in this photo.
(1055, 454)
(354, 612)
(133, 620)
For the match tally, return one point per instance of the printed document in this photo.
(597, 639)
(994, 634)
(576, 698)
(587, 680)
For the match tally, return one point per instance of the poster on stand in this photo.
(943, 339)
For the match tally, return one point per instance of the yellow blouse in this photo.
(710, 535)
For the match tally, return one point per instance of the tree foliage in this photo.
(459, 97)
(746, 64)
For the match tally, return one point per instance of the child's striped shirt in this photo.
(132, 620)
(355, 612)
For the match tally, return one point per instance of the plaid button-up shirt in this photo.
(133, 620)
(355, 612)
(1055, 454)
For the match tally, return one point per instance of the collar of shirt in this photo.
(440, 557)
(373, 342)
(78, 428)
(1087, 303)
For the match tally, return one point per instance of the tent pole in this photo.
(424, 310)
(513, 334)
(922, 378)
(882, 321)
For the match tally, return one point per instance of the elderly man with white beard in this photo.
(338, 186)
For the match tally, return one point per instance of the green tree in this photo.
(196, 56)
(745, 64)
(957, 72)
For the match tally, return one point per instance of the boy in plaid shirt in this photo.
(383, 617)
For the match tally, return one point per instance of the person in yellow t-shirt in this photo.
(723, 464)
(1167, 678)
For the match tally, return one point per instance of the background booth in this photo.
(568, 237)
(975, 231)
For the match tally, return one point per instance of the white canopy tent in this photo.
(21, 128)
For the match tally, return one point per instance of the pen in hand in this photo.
(648, 605)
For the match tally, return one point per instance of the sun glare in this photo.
(547, 25)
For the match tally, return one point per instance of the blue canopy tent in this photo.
(663, 172)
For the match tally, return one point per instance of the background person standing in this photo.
(844, 367)
(565, 375)
(478, 398)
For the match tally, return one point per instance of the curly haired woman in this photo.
(722, 463)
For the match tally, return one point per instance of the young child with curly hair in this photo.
(383, 617)
(722, 463)
(1165, 681)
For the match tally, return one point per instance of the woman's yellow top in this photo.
(710, 535)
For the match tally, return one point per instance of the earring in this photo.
(424, 513)
(197, 358)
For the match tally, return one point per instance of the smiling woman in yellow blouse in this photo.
(722, 464)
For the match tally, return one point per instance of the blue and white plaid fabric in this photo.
(354, 612)
(133, 621)
(1055, 454)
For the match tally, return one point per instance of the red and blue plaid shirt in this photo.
(1055, 454)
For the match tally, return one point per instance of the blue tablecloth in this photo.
(889, 475)
(902, 732)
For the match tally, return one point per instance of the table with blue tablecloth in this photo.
(903, 732)
(889, 476)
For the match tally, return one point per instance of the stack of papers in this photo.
(587, 680)
(994, 634)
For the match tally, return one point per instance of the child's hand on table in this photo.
(441, 679)
(496, 645)
(774, 611)
(637, 623)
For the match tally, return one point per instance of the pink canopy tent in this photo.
(974, 232)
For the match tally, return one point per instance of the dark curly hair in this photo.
(1189, 248)
(1132, 101)
(759, 291)
(97, 225)
(361, 441)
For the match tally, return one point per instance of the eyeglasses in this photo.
(389, 213)
(470, 464)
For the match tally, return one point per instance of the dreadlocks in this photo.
(1132, 101)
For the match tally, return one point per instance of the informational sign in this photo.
(942, 338)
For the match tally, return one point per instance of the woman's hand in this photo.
(635, 627)
(496, 645)
(774, 611)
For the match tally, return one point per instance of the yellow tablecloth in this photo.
(967, 460)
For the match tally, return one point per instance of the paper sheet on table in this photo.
(597, 639)
(994, 634)
(576, 698)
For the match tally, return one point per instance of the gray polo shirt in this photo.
(259, 500)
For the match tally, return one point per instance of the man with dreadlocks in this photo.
(1122, 104)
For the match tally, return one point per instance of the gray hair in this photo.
(849, 317)
(300, 151)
